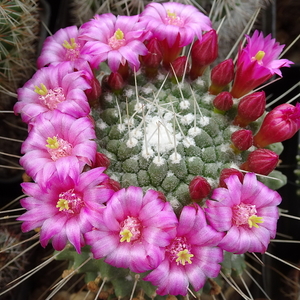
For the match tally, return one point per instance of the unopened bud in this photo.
(225, 173)
(180, 66)
(279, 125)
(203, 53)
(101, 161)
(199, 188)
(115, 81)
(221, 75)
(154, 56)
(223, 102)
(242, 139)
(261, 161)
(250, 108)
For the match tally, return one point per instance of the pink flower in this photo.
(115, 39)
(280, 124)
(54, 88)
(53, 138)
(171, 19)
(257, 62)
(175, 25)
(133, 230)
(246, 211)
(191, 256)
(60, 47)
(65, 209)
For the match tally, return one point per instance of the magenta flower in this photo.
(170, 20)
(133, 230)
(65, 209)
(60, 47)
(280, 124)
(175, 25)
(257, 62)
(115, 39)
(54, 88)
(246, 211)
(53, 138)
(191, 256)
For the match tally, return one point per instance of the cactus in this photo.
(158, 132)
(19, 31)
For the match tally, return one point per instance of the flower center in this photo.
(246, 214)
(130, 230)
(173, 19)
(51, 97)
(180, 251)
(117, 40)
(72, 52)
(58, 148)
(69, 202)
(259, 57)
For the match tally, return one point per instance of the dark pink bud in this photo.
(94, 93)
(203, 53)
(199, 188)
(225, 173)
(279, 125)
(179, 65)
(242, 139)
(111, 184)
(101, 161)
(261, 161)
(153, 58)
(115, 81)
(221, 75)
(223, 101)
(250, 108)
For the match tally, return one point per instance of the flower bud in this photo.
(154, 56)
(115, 81)
(225, 173)
(221, 75)
(199, 188)
(179, 65)
(203, 53)
(101, 161)
(279, 125)
(250, 108)
(261, 161)
(242, 139)
(94, 93)
(111, 184)
(223, 102)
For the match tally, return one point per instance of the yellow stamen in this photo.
(170, 14)
(126, 235)
(119, 35)
(42, 90)
(259, 55)
(184, 257)
(253, 220)
(52, 143)
(67, 45)
(62, 204)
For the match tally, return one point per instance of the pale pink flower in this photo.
(257, 62)
(62, 46)
(246, 211)
(52, 138)
(115, 39)
(170, 20)
(191, 257)
(133, 230)
(64, 210)
(54, 88)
